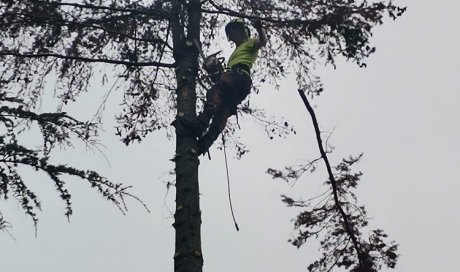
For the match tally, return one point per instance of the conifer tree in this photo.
(150, 46)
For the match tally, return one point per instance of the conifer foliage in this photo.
(55, 129)
(340, 224)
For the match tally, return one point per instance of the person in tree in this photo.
(231, 88)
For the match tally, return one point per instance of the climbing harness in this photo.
(241, 69)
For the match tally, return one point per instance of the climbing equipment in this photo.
(199, 124)
(228, 184)
(242, 69)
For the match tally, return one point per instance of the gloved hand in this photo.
(257, 24)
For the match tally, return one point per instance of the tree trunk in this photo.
(188, 256)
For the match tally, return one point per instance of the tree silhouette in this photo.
(150, 47)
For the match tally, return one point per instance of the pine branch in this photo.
(59, 21)
(55, 128)
(159, 13)
(86, 59)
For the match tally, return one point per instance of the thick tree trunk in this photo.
(188, 256)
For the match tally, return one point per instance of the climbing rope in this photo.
(228, 184)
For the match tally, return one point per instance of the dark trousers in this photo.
(230, 90)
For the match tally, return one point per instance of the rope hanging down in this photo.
(228, 184)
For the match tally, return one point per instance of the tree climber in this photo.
(231, 88)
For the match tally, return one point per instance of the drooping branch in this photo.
(55, 128)
(335, 217)
(347, 225)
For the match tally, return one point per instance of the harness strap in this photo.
(241, 69)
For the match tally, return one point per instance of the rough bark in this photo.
(188, 256)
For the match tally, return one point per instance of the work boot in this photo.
(195, 126)
(206, 141)
(199, 124)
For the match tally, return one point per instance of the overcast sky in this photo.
(402, 112)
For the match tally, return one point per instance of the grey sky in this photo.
(402, 111)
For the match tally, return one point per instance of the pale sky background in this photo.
(402, 111)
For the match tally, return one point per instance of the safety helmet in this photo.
(240, 24)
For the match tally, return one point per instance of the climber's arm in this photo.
(261, 40)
